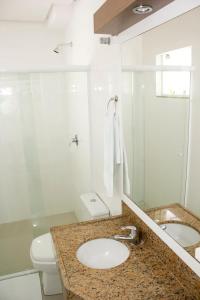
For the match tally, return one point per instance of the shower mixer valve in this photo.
(75, 140)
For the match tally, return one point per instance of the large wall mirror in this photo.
(161, 124)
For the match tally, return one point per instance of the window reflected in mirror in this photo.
(173, 83)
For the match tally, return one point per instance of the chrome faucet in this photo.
(133, 237)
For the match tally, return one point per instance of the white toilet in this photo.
(42, 250)
(43, 259)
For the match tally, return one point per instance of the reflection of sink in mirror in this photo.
(102, 253)
(185, 235)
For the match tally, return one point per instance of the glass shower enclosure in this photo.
(156, 135)
(42, 171)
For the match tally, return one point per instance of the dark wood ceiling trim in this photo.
(114, 16)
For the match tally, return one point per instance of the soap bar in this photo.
(197, 253)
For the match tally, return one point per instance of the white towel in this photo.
(109, 151)
(127, 187)
(114, 151)
(117, 140)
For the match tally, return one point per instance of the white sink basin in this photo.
(185, 235)
(102, 253)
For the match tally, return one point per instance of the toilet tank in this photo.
(92, 208)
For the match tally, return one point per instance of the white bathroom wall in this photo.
(132, 54)
(51, 175)
(13, 177)
(104, 83)
(29, 45)
(43, 192)
(42, 173)
(77, 117)
(49, 111)
(81, 31)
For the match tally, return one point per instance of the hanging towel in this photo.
(126, 181)
(109, 140)
(117, 140)
(114, 151)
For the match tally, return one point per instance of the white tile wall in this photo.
(41, 174)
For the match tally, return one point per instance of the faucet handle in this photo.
(132, 228)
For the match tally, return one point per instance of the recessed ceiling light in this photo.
(142, 9)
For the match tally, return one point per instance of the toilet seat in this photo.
(42, 254)
(42, 249)
(43, 259)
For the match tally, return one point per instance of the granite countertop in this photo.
(142, 277)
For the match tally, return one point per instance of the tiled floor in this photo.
(16, 238)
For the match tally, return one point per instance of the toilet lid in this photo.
(42, 248)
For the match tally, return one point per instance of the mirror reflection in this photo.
(161, 126)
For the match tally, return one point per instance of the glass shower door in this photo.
(42, 173)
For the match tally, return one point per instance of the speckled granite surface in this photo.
(175, 213)
(144, 276)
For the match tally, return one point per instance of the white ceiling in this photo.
(27, 10)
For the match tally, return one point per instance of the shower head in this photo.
(59, 47)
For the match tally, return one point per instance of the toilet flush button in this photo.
(93, 200)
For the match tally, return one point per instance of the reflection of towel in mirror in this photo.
(126, 181)
(113, 153)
